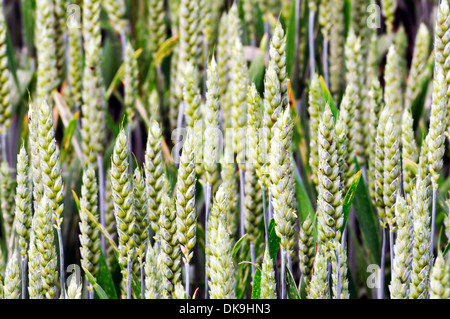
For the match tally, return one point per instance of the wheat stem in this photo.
(382, 266)
(101, 200)
(312, 70)
(24, 277)
(433, 221)
(283, 273)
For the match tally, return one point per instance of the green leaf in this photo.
(166, 49)
(302, 289)
(290, 40)
(238, 245)
(99, 290)
(256, 289)
(274, 240)
(446, 250)
(305, 207)
(367, 221)
(257, 67)
(104, 278)
(328, 98)
(347, 16)
(292, 291)
(100, 227)
(68, 134)
(244, 272)
(118, 76)
(349, 198)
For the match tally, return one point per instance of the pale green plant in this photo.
(152, 275)
(7, 198)
(439, 279)
(306, 250)
(401, 268)
(329, 202)
(11, 288)
(5, 77)
(170, 248)
(23, 197)
(154, 178)
(319, 281)
(268, 282)
(315, 109)
(89, 233)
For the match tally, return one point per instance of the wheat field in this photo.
(219, 149)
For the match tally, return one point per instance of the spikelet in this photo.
(315, 109)
(154, 178)
(253, 192)
(221, 267)
(388, 8)
(306, 250)
(89, 233)
(49, 164)
(435, 139)
(441, 37)
(23, 202)
(46, 50)
(326, 18)
(353, 62)
(277, 54)
(439, 281)
(44, 244)
(34, 270)
(319, 281)
(393, 84)
(74, 66)
(33, 139)
(409, 153)
(343, 266)
(74, 289)
(219, 211)
(342, 145)
(329, 202)
(238, 91)
(11, 289)
(131, 79)
(189, 48)
(156, 24)
(346, 115)
(418, 64)
(170, 249)
(5, 77)
(281, 178)
(93, 110)
(421, 252)
(249, 8)
(122, 196)
(152, 276)
(376, 104)
(268, 283)
(211, 122)
(401, 268)
(185, 200)
(391, 170)
(272, 109)
(116, 10)
(379, 166)
(141, 216)
(230, 185)
(336, 58)
(7, 198)
(179, 292)
(224, 69)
